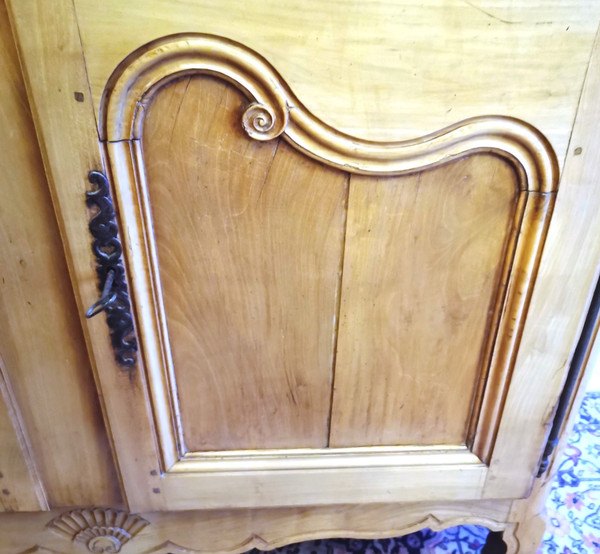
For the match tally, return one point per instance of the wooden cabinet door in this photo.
(319, 318)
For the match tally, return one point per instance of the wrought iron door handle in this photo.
(108, 296)
(114, 298)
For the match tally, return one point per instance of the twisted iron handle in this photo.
(114, 298)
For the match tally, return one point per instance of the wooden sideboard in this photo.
(345, 255)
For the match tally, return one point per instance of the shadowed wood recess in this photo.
(290, 305)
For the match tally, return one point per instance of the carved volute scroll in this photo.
(98, 529)
(271, 112)
(274, 109)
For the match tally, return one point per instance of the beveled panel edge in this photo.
(14, 415)
(328, 486)
(325, 458)
(153, 357)
(141, 74)
(513, 304)
(274, 110)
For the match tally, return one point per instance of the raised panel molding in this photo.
(273, 111)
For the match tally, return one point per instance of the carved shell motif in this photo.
(98, 529)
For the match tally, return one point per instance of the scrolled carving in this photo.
(132, 84)
(260, 122)
(99, 530)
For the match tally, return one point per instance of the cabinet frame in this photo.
(297, 474)
(43, 69)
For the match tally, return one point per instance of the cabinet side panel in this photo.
(422, 271)
(568, 272)
(41, 341)
(249, 238)
(19, 479)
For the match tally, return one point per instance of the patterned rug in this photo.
(574, 502)
(573, 509)
(466, 539)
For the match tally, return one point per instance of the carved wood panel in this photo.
(261, 260)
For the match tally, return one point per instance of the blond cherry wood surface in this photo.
(249, 238)
(382, 69)
(191, 479)
(529, 269)
(422, 271)
(186, 484)
(61, 80)
(568, 272)
(236, 531)
(48, 387)
(547, 338)
(21, 485)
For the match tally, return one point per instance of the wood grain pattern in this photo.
(423, 260)
(531, 514)
(249, 244)
(568, 272)
(53, 71)
(139, 415)
(273, 110)
(20, 483)
(237, 531)
(383, 69)
(41, 342)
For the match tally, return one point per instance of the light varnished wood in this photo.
(249, 280)
(568, 271)
(126, 406)
(536, 212)
(534, 412)
(186, 483)
(98, 529)
(41, 346)
(541, 371)
(21, 486)
(366, 67)
(422, 274)
(236, 531)
(297, 486)
(530, 514)
(275, 110)
(53, 71)
(309, 458)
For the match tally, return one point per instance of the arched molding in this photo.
(274, 110)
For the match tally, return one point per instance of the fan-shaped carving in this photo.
(99, 529)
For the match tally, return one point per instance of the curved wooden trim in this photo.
(239, 531)
(430, 521)
(274, 110)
